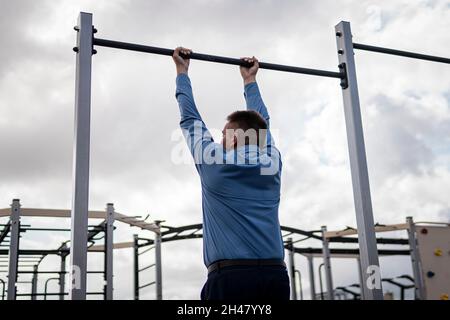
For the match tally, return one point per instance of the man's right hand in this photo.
(181, 64)
(249, 74)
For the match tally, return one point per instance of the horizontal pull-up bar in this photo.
(211, 58)
(401, 53)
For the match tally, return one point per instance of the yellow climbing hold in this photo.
(438, 252)
(444, 296)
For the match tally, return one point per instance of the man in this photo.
(240, 178)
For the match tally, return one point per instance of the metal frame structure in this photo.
(355, 136)
(413, 252)
(194, 232)
(25, 258)
(167, 234)
(347, 75)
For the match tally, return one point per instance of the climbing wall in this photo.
(434, 251)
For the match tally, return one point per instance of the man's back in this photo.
(240, 210)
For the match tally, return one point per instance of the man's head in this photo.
(244, 128)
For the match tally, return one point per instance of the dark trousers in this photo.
(247, 283)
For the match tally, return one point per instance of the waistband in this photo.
(245, 262)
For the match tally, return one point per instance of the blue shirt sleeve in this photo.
(194, 129)
(255, 102)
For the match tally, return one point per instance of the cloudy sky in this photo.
(404, 104)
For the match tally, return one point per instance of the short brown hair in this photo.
(249, 119)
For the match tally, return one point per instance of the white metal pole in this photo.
(327, 265)
(109, 242)
(80, 196)
(13, 249)
(158, 263)
(34, 280)
(415, 259)
(109, 227)
(358, 162)
(312, 284)
(360, 276)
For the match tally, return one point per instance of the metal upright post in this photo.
(80, 195)
(320, 281)
(158, 264)
(3, 288)
(290, 246)
(415, 259)
(312, 284)
(62, 275)
(300, 284)
(46, 286)
(360, 275)
(34, 280)
(14, 249)
(136, 266)
(109, 230)
(358, 162)
(327, 264)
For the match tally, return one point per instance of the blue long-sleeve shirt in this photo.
(240, 187)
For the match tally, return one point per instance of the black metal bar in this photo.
(356, 296)
(148, 284)
(145, 239)
(147, 250)
(95, 293)
(401, 286)
(217, 59)
(96, 230)
(42, 272)
(33, 252)
(5, 231)
(379, 240)
(342, 251)
(401, 53)
(53, 294)
(56, 272)
(147, 267)
(177, 237)
(44, 229)
(62, 279)
(39, 294)
(3, 288)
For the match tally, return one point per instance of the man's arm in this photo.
(191, 123)
(252, 94)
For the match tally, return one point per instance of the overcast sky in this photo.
(404, 104)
